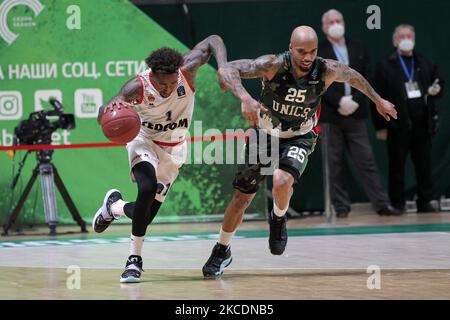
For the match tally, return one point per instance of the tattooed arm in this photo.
(230, 79)
(263, 67)
(339, 72)
(200, 54)
(131, 92)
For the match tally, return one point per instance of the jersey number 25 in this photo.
(295, 95)
(297, 153)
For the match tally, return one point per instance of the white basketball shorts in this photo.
(166, 161)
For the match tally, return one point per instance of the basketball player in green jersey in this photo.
(292, 85)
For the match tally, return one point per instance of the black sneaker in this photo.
(342, 212)
(99, 222)
(278, 234)
(133, 270)
(220, 259)
(426, 208)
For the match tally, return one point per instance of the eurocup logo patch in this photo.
(6, 6)
(313, 76)
(181, 91)
(151, 98)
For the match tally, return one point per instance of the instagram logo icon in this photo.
(10, 105)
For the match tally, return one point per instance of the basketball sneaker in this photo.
(278, 234)
(220, 259)
(104, 216)
(133, 270)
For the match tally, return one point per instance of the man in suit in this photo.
(343, 118)
(411, 81)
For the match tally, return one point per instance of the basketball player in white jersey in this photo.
(164, 96)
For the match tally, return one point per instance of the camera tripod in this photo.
(49, 176)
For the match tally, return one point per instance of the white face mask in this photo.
(406, 45)
(336, 31)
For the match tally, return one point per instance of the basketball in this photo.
(120, 122)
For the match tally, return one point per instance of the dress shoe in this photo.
(342, 213)
(390, 211)
(426, 208)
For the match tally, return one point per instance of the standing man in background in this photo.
(344, 114)
(411, 81)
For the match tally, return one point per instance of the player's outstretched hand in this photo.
(250, 110)
(386, 109)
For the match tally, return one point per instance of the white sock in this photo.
(117, 208)
(225, 237)
(279, 212)
(136, 245)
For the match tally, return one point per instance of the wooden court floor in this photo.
(322, 261)
(51, 283)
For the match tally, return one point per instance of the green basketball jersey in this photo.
(292, 102)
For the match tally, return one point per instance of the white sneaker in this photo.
(103, 217)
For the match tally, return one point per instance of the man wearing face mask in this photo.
(412, 82)
(343, 118)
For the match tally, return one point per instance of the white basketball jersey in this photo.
(165, 119)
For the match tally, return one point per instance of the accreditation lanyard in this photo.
(409, 75)
(412, 87)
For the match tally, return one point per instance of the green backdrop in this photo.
(84, 63)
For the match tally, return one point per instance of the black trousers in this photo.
(415, 140)
(352, 135)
